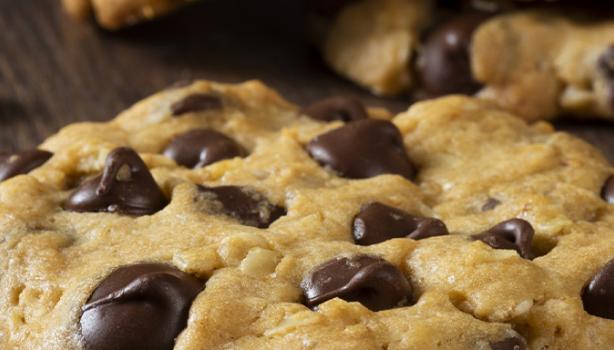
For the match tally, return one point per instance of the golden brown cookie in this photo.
(454, 225)
(115, 14)
(372, 41)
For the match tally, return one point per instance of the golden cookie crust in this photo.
(468, 294)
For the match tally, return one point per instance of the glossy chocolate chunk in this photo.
(196, 103)
(512, 343)
(514, 234)
(139, 307)
(22, 162)
(345, 109)
(247, 206)
(607, 192)
(199, 148)
(378, 222)
(363, 149)
(369, 280)
(491, 204)
(125, 187)
(598, 295)
(606, 69)
(444, 66)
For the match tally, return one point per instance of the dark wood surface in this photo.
(54, 71)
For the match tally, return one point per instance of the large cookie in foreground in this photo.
(461, 228)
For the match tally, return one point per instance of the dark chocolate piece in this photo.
(139, 307)
(378, 222)
(598, 295)
(125, 187)
(196, 103)
(369, 280)
(363, 149)
(516, 234)
(444, 66)
(247, 206)
(345, 109)
(21, 162)
(199, 148)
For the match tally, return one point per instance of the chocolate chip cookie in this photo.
(120, 13)
(214, 216)
(538, 59)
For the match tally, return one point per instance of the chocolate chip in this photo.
(337, 108)
(514, 234)
(247, 206)
(491, 204)
(598, 295)
(125, 187)
(369, 280)
(199, 148)
(607, 192)
(139, 307)
(444, 66)
(512, 343)
(22, 162)
(378, 222)
(196, 103)
(363, 149)
(606, 68)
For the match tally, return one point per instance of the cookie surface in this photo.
(280, 266)
(539, 63)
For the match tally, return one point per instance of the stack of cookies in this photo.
(221, 216)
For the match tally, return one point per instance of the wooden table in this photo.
(54, 71)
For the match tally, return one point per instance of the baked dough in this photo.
(476, 165)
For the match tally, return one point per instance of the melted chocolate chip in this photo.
(512, 343)
(22, 162)
(444, 66)
(598, 295)
(337, 108)
(196, 103)
(378, 222)
(139, 307)
(607, 192)
(491, 204)
(514, 234)
(125, 187)
(606, 68)
(249, 207)
(199, 148)
(369, 280)
(363, 149)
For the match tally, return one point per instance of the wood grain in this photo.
(55, 71)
